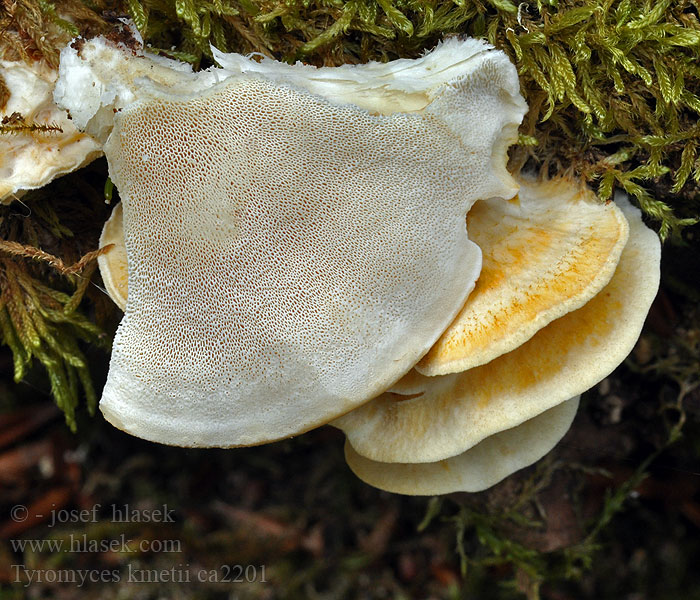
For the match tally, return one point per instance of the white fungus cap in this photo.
(291, 255)
(476, 469)
(31, 159)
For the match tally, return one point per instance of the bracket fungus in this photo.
(447, 417)
(291, 250)
(477, 468)
(39, 141)
(295, 236)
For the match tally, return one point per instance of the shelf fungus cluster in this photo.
(290, 251)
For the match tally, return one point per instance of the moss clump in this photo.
(40, 293)
(614, 93)
(38, 29)
(613, 85)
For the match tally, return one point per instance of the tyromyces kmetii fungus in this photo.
(296, 243)
(439, 432)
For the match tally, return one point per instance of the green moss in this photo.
(613, 86)
(485, 539)
(41, 292)
(34, 29)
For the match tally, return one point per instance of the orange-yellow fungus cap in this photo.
(546, 252)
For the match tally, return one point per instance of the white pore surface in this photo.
(291, 254)
(29, 160)
(290, 258)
